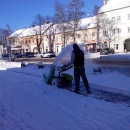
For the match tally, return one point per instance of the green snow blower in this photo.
(61, 80)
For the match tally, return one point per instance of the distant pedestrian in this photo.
(77, 59)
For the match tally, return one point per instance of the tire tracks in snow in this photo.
(114, 97)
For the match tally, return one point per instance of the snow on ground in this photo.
(117, 56)
(28, 103)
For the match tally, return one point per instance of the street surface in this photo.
(99, 61)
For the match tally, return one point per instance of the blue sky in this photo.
(21, 13)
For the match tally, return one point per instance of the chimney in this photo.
(104, 2)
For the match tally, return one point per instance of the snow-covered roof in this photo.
(88, 22)
(84, 24)
(114, 4)
(16, 33)
(28, 31)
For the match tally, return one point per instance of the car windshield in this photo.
(5, 55)
(106, 49)
(16, 53)
(50, 52)
(29, 53)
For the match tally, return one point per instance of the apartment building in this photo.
(24, 40)
(118, 11)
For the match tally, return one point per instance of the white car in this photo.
(48, 54)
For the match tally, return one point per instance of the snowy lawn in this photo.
(27, 103)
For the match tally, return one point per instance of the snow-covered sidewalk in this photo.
(27, 103)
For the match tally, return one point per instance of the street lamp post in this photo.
(74, 23)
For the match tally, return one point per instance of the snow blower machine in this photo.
(58, 78)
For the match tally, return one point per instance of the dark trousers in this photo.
(77, 73)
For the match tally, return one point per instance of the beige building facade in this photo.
(26, 41)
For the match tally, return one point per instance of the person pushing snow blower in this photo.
(77, 59)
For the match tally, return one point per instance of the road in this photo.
(44, 60)
(101, 61)
(117, 62)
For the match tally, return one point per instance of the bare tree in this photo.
(95, 10)
(75, 14)
(62, 20)
(39, 27)
(68, 18)
(50, 33)
(107, 29)
(5, 32)
(96, 21)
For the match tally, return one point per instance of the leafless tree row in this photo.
(66, 20)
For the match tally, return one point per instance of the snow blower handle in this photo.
(66, 67)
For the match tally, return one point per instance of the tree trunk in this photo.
(109, 44)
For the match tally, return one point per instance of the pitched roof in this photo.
(114, 4)
(84, 24)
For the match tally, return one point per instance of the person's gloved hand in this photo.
(64, 66)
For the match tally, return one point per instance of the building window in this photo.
(125, 46)
(118, 18)
(114, 31)
(113, 19)
(57, 49)
(46, 49)
(78, 35)
(128, 29)
(56, 38)
(105, 32)
(128, 16)
(93, 34)
(118, 30)
(86, 35)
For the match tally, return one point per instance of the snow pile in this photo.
(9, 64)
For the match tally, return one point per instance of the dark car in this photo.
(28, 54)
(15, 55)
(48, 54)
(107, 51)
(5, 57)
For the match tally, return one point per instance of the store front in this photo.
(17, 50)
(90, 46)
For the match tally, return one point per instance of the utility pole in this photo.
(74, 23)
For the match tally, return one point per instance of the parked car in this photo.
(28, 54)
(5, 57)
(48, 54)
(15, 55)
(35, 54)
(107, 51)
